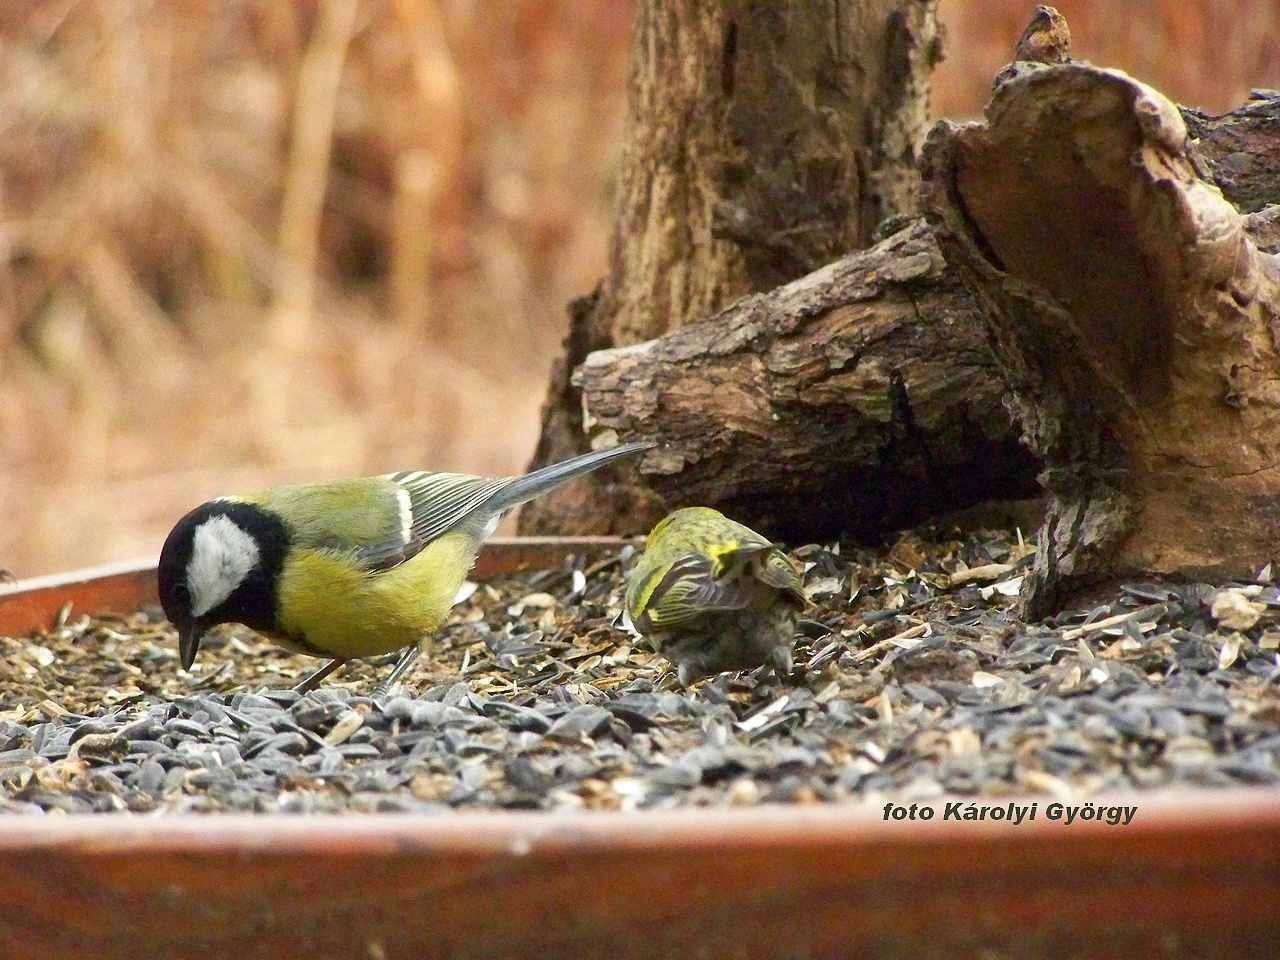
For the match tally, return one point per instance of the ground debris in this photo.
(915, 678)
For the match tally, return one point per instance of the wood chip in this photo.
(988, 571)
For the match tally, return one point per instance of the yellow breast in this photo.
(347, 612)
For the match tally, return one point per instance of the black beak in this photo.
(189, 643)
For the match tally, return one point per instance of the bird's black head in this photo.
(221, 564)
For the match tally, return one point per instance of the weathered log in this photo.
(764, 138)
(858, 399)
(813, 410)
(798, 475)
(1135, 323)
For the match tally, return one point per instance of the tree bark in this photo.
(858, 399)
(1242, 152)
(764, 139)
(1242, 149)
(1135, 322)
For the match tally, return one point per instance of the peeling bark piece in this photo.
(1134, 320)
(1047, 38)
(1242, 150)
(858, 399)
(1263, 228)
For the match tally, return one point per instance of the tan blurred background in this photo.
(209, 283)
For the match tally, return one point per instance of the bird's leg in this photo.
(783, 662)
(313, 680)
(689, 673)
(406, 661)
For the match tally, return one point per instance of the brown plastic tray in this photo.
(28, 605)
(1196, 874)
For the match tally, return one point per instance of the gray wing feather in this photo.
(440, 501)
(386, 554)
(443, 500)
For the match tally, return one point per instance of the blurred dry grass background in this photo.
(211, 283)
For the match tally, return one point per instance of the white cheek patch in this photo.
(222, 554)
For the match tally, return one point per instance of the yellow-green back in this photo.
(336, 514)
(700, 530)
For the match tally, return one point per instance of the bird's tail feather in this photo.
(534, 484)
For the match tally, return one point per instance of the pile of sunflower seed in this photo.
(914, 679)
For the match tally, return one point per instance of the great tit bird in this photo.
(713, 595)
(346, 568)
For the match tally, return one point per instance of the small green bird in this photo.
(346, 568)
(713, 595)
